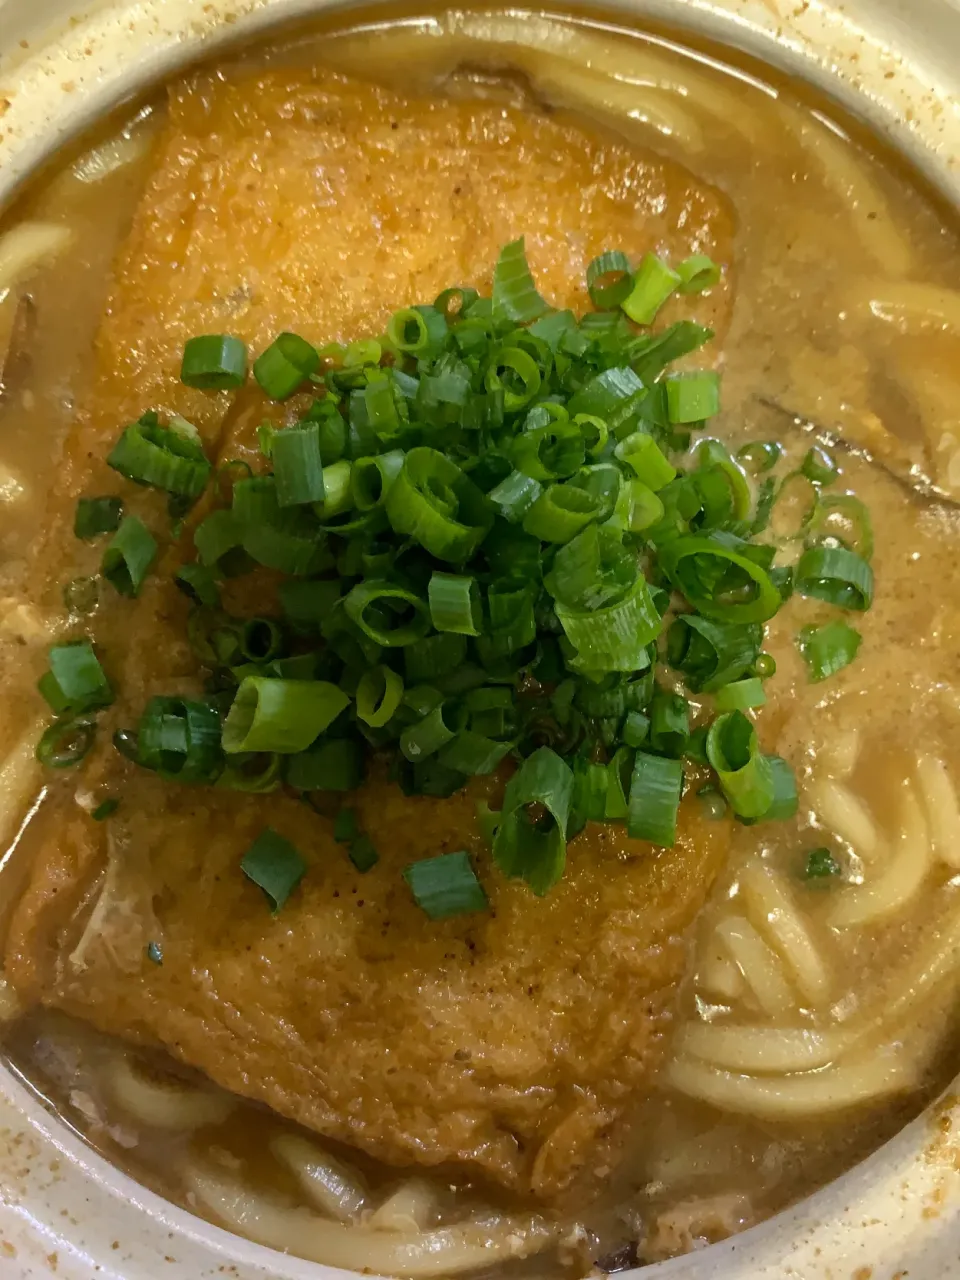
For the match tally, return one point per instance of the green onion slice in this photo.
(169, 458)
(214, 362)
(719, 581)
(692, 397)
(531, 839)
(515, 295)
(180, 739)
(405, 619)
(741, 695)
(378, 695)
(653, 283)
(95, 516)
(655, 790)
(445, 886)
(828, 649)
(128, 557)
(836, 575)
(698, 273)
(76, 679)
(298, 465)
(67, 741)
(274, 865)
(609, 281)
(435, 503)
(285, 364)
(280, 715)
(455, 603)
(614, 638)
(745, 774)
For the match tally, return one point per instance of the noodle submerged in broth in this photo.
(496, 646)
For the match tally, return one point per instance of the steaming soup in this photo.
(479, 505)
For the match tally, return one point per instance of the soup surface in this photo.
(672, 1039)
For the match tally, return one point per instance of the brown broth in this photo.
(803, 359)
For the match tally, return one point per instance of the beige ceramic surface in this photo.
(63, 1211)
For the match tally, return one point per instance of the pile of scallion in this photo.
(484, 532)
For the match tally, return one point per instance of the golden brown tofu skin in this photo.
(503, 1043)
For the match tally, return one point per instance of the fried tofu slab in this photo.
(503, 1043)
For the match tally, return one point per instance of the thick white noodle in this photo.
(27, 245)
(850, 179)
(943, 811)
(567, 84)
(718, 974)
(911, 307)
(330, 1185)
(772, 910)
(791, 1097)
(161, 1105)
(412, 1207)
(761, 967)
(21, 777)
(837, 757)
(844, 813)
(110, 156)
(762, 1050)
(445, 1251)
(898, 883)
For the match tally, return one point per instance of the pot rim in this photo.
(897, 76)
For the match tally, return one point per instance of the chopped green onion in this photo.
(76, 681)
(361, 605)
(434, 656)
(345, 826)
(653, 283)
(614, 638)
(836, 575)
(843, 519)
(515, 295)
(105, 809)
(199, 583)
(828, 649)
(820, 865)
(128, 557)
(280, 715)
(819, 467)
(454, 603)
(180, 739)
(434, 731)
(636, 729)
(282, 368)
(719, 581)
(372, 478)
(334, 764)
(169, 458)
(257, 773)
(274, 865)
(363, 854)
(609, 281)
(434, 502)
(692, 397)
(741, 695)
(473, 754)
(95, 516)
(378, 695)
(712, 654)
(531, 839)
(297, 465)
(560, 513)
(643, 454)
(214, 362)
(745, 775)
(445, 886)
(759, 456)
(698, 273)
(67, 741)
(655, 790)
(669, 723)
